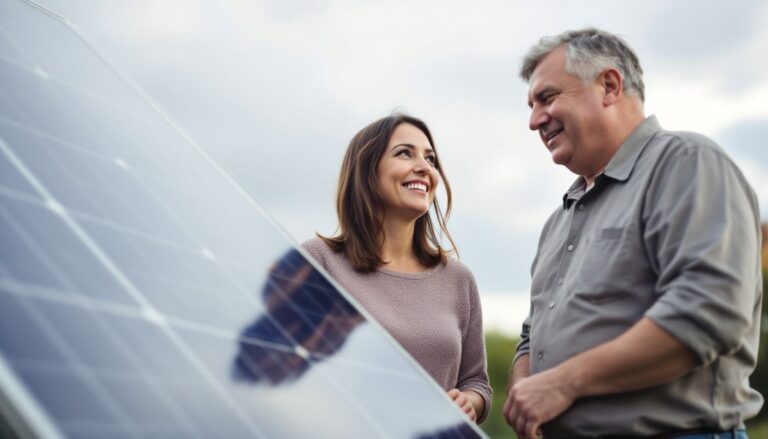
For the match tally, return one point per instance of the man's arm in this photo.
(642, 357)
(520, 369)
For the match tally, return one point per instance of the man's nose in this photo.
(539, 118)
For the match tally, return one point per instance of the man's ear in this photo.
(613, 87)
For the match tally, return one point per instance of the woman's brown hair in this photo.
(359, 204)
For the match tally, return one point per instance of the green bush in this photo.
(759, 379)
(501, 350)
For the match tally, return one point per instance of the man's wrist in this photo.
(571, 378)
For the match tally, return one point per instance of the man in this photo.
(646, 288)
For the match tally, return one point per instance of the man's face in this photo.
(567, 113)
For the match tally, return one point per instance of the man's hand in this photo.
(464, 402)
(535, 400)
(644, 356)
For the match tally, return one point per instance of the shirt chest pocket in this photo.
(611, 265)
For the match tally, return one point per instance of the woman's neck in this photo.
(397, 250)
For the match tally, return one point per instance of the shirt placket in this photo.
(577, 217)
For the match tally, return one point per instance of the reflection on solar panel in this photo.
(142, 293)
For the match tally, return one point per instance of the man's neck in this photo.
(621, 128)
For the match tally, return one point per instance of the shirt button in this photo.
(540, 355)
(560, 281)
(551, 305)
(580, 207)
(570, 247)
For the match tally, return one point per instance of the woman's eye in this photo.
(404, 152)
(432, 159)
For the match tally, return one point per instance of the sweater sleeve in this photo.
(473, 373)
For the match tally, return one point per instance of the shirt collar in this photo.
(623, 162)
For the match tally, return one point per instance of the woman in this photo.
(388, 256)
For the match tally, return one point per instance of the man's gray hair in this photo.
(588, 52)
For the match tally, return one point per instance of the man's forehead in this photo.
(551, 63)
(547, 72)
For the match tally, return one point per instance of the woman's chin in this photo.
(411, 213)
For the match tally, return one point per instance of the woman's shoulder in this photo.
(317, 248)
(458, 269)
(326, 256)
(314, 244)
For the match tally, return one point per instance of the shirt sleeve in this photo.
(473, 371)
(702, 238)
(524, 346)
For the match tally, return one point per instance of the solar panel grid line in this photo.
(112, 160)
(9, 37)
(65, 297)
(181, 224)
(42, 73)
(236, 408)
(25, 416)
(235, 185)
(243, 290)
(299, 311)
(203, 249)
(69, 25)
(20, 196)
(89, 218)
(368, 366)
(31, 130)
(103, 328)
(124, 281)
(105, 375)
(36, 70)
(378, 428)
(81, 372)
(46, 11)
(69, 298)
(143, 374)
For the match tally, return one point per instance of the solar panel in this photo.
(143, 293)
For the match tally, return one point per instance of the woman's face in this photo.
(407, 177)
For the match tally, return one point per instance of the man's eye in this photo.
(549, 98)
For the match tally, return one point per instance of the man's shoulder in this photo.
(686, 142)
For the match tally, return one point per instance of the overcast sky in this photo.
(275, 90)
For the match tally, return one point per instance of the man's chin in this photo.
(560, 159)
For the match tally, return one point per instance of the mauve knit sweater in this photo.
(435, 315)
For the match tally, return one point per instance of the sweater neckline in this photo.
(407, 275)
